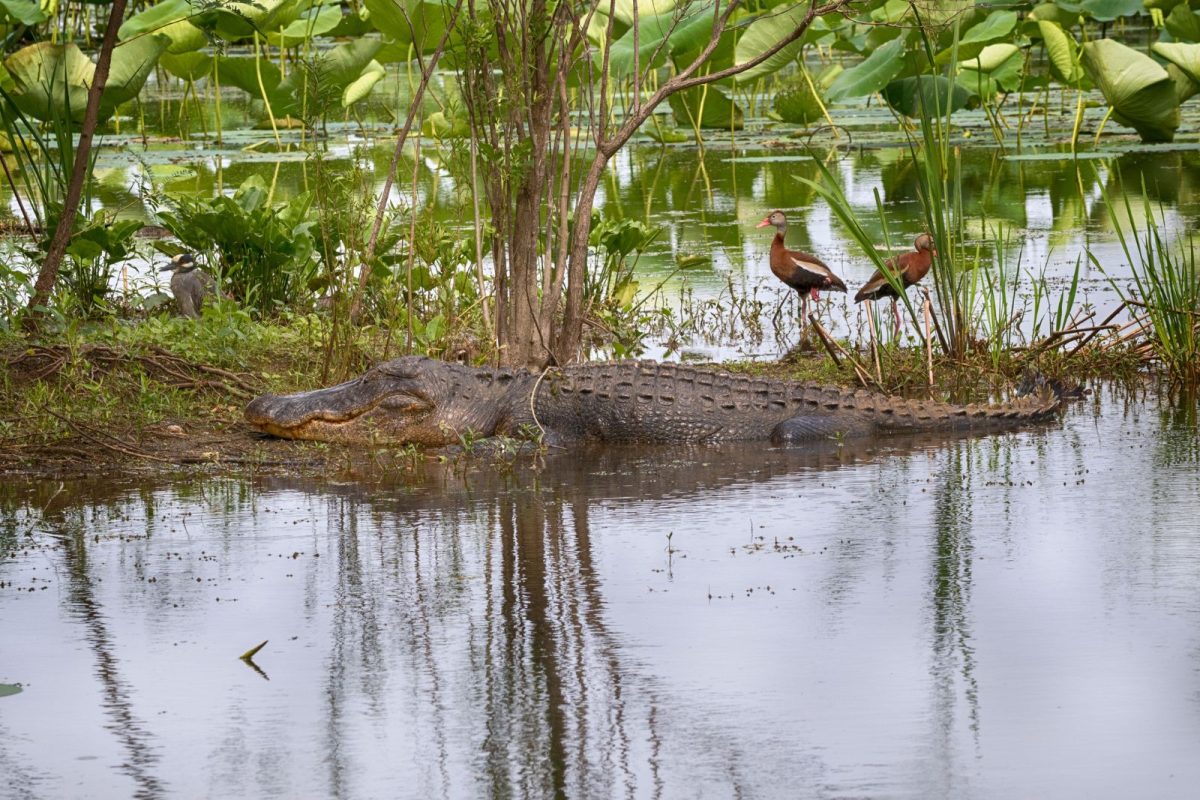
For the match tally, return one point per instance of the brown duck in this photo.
(912, 268)
(805, 273)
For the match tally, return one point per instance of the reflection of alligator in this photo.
(423, 401)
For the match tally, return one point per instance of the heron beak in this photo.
(167, 268)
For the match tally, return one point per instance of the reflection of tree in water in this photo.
(953, 665)
(521, 650)
(141, 757)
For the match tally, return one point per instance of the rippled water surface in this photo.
(1003, 617)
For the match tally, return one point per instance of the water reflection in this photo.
(874, 619)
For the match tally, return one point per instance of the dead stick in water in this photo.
(927, 312)
(826, 343)
(864, 377)
(1095, 331)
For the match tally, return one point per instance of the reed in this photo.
(1166, 288)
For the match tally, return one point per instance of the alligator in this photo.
(423, 401)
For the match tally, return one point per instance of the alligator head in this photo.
(409, 400)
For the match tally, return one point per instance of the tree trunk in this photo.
(48, 275)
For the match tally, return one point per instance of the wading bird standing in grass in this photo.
(190, 285)
(908, 268)
(805, 273)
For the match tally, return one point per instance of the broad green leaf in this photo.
(168, 18)
(189, 66)
(26, 12)
(1185, 85)
(1140, 91)
(623, 9)
(936, 13)
(992, 57)
(1183, 24)
(998, 69)
(312, 23)
(997, 25)
(1049, 12)
(7, 689)
(1104, 10)
(244, 73)
(924, 94)
(652, 31)
(763, 34)
(1184, 56)
(428, 22)
(51, 80)
(1062, 51)
(439, 126)
(361, 86)
(132, 62)
(718, 110)
(874, 73)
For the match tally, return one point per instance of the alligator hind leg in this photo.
(808, 428)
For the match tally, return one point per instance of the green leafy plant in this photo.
(266, 250)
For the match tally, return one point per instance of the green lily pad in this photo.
(26, 12)
(1140, 91)
(763, 34)
(1183, 24)
(360, 87)
(925, 94)
(1063, 52)
(50, 81)
(872, 75)
(168, 18)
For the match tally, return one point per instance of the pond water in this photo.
(998, 617)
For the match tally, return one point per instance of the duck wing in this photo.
(816, 268)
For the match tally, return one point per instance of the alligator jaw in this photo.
(334, 414)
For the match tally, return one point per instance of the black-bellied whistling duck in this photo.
(805, 273)
(912, 268)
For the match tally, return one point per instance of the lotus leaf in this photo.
(189, 66)
(245, 72)
(169, 18)
(997, 69)
(623, 9)
(1185, 56)
(924, 93)
(232, 20)
(51, 80)
(718, 110)
(26, 12)
(419, 23)
(1183, 24)
(874, 73)
(940, 12)
(678, 34)
(1185, 85)
(1139, 90)
(315, 22)
(361, 86)
(997, 25)
(439, 126)
(1049, 12)
(764, 33)
(1063, 53)
(1103, 10)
